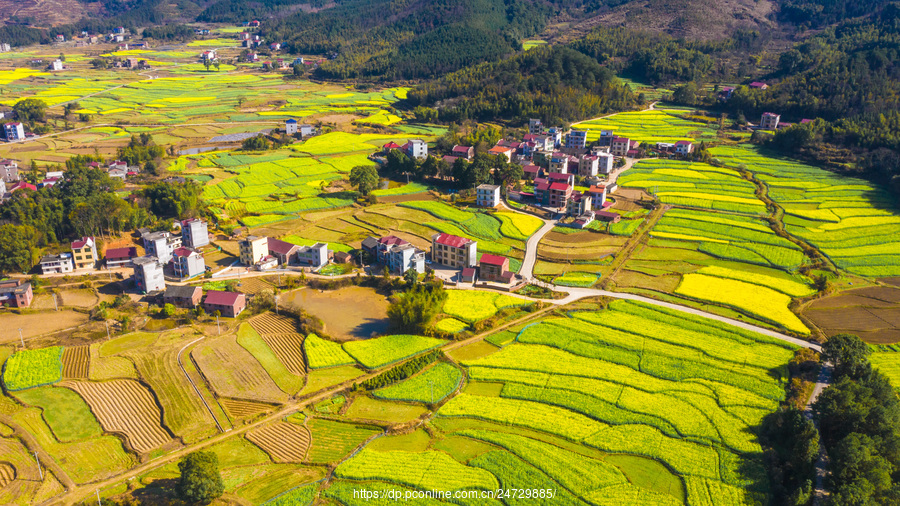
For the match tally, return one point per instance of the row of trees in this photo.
(858, 420)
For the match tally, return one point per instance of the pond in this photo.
(349, 313)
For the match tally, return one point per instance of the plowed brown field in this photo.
(124, 406)
(76, 362)
(289, 350)
(269, 323)
(7, 474)
(243, 409)
(284, 441)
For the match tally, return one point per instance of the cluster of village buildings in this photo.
(11, 177)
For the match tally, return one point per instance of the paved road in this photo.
(531, 245)
(819, 492)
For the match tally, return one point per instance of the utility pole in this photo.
(40, 469)
(107, 329)
(217, 324)
(276, 305)
(432, 391)
(55, 304)
(21, 339)
(99, 503)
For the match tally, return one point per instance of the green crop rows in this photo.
(472, 306)
(429, 386)
(381, 351)
(323, 353)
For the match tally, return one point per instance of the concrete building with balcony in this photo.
(453, 251)
(314, 256)
(187, 263)
(161, 245)
(148, 274)
(57, 264)
(253, 249)
(84, 253)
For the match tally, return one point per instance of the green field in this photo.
(68, 416)
(472, 306)
(31, 368)
(323, 353)
(430, 386)
(382, 351)
(650, 126)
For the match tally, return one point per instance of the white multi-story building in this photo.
(194, 233)
(161, 245)
(487, 195)
(769, 121)
(417, 148)
(577, 139)
(57, 264)
(253, 249)
(148, 274)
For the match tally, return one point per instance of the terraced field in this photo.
(125, 407)
(649, 127)
(852, 221)
(233, 372)
(280, 334)
(284, 441)
(76, 362)
(243, 409)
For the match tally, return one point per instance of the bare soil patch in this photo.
(873, 313)
(234, 372)
(349, 313)
(36, 324)
(83, 298)
(284, 441)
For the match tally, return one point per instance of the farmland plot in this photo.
(233, 372)
(382, 351)
(76, 362)
(852, 221)
(284, 441)
(126, 407)
(429, 386)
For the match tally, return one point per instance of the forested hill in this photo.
(555, 83)
(390, 39)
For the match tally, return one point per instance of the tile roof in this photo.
(280, 247)
(183, 252)
(453, 241)
(683, 143)
(120, 253)
(559, 186)
(181, 292)
(489, 259)
(84, 241)
(392, 240)
(220, 298)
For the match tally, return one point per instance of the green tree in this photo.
(364, 177)
(16, 247)
(31, 110)
(859, 474)
(791, 445)
(168, 310)
(849, 355)
(258, 143)
(414, 310)
(200, 480)
(411, 277)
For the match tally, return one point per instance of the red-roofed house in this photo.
(466, 152)
(769, 121)
(22, 185)
(84, 252)
(120, 257)
(684, 147)
(282, 250)
(453, 251)
(493, 268)
(578, 204)
(389, 146)
(608, 216)
(16, 293)
(620, 146)
(559, 194)
(758, 85)
(531, 171)
(561, 177)
(502, 150)
(187, 262)
(450, 159)
(229, 304)
(598, 196)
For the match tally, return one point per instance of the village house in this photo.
(561, 177)
(559, 162)
(314, 256)
(608, 216)
(5, 48)
(281, 250)
(9, 171)
(416, 148)
(148, 274)
(252, 58)
(494, 268)
(584, 220)
(756, 85)
(120, 174)
(194, 233)
(84, 252)
(22, 185)
(15, 293)
(588, 165)
(161, 245)
(769, 121)
(60, 37)
(621, 145)
(118, 164)
(209, 55)
(576, 139)
(255, 23)
(228, 304)
(120, 257)
(504, 151)
(275, 46)
(578, 204)
(453, 251)
(725, 93)
(57, 264)
(684, 148)
(604, 163)
(244, 36)
(558, 194)
(187, 263)
(253, 249)
(598, 196)
(535, 126)
(56, 65)
(397, 254)
(183, 296)
(14, 131)
(389, 146)
(466, 152)
(290, 126)
(531, 172)
(488, 195)
(342, 257)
